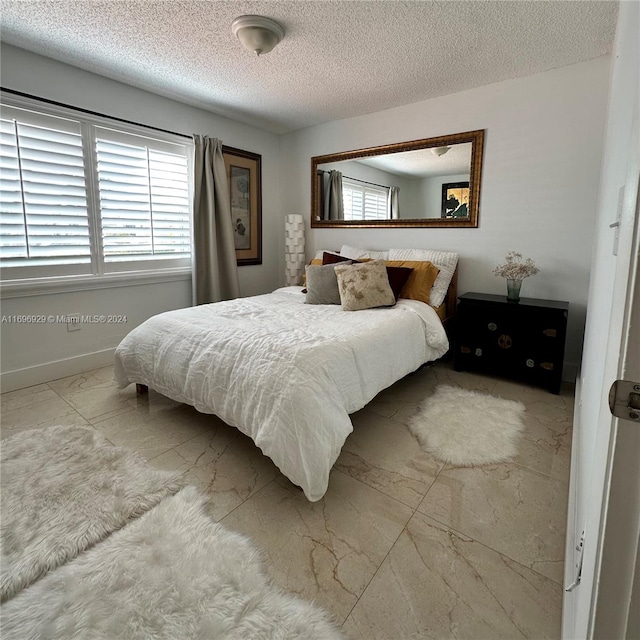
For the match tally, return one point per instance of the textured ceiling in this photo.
(338, 58)
(423, 163)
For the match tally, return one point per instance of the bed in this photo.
(285, 373)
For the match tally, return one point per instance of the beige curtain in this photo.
(215, 270)
(333, 203)
(394, 202)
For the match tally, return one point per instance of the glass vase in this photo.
(513, 290)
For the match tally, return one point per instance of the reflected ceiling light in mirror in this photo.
(257, 33)
(440, 151)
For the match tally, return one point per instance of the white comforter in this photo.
(285, 373)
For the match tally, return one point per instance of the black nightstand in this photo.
(519, 340)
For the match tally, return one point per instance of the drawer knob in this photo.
(505, 341)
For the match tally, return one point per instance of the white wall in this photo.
(543, 146)
(26, 347)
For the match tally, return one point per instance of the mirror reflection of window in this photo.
(364, 201)
(410, 184)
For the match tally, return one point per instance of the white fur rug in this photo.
(468, 428)
(174, 573)
(63, 489)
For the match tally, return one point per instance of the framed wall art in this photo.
(244, 176)
(455, 200)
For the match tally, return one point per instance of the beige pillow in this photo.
(364, 286)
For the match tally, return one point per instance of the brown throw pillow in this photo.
(398, 277)
(420, 281)
(364, 285)
(334, 258)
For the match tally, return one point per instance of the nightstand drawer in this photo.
(524, 341)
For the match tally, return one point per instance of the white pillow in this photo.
(446, 261)
(355, 252)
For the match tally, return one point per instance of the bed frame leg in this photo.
(141, 389)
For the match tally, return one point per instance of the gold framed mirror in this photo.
(434, 182)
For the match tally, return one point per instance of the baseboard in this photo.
(29, 376)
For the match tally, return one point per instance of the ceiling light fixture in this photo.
(256, 33)
(440, 151)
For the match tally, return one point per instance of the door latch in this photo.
(624, 400)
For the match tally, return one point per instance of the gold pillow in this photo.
(364, 286)
(420, 282)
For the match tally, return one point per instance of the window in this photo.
(364, 201)
(43, 197)
(144, 199)
(78, 198)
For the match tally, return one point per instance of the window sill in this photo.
(66, 284)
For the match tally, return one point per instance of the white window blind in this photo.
(144, 198)
(364, 201)
(43, 197)
(78, 197)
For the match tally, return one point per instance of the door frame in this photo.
(604, 496)
(599, 605)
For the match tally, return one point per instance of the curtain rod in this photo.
(92, 113)
(384, 186)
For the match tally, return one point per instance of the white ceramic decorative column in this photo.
(293, 249)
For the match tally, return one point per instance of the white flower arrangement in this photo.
(515, 268)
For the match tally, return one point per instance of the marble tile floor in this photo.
(402, 547)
